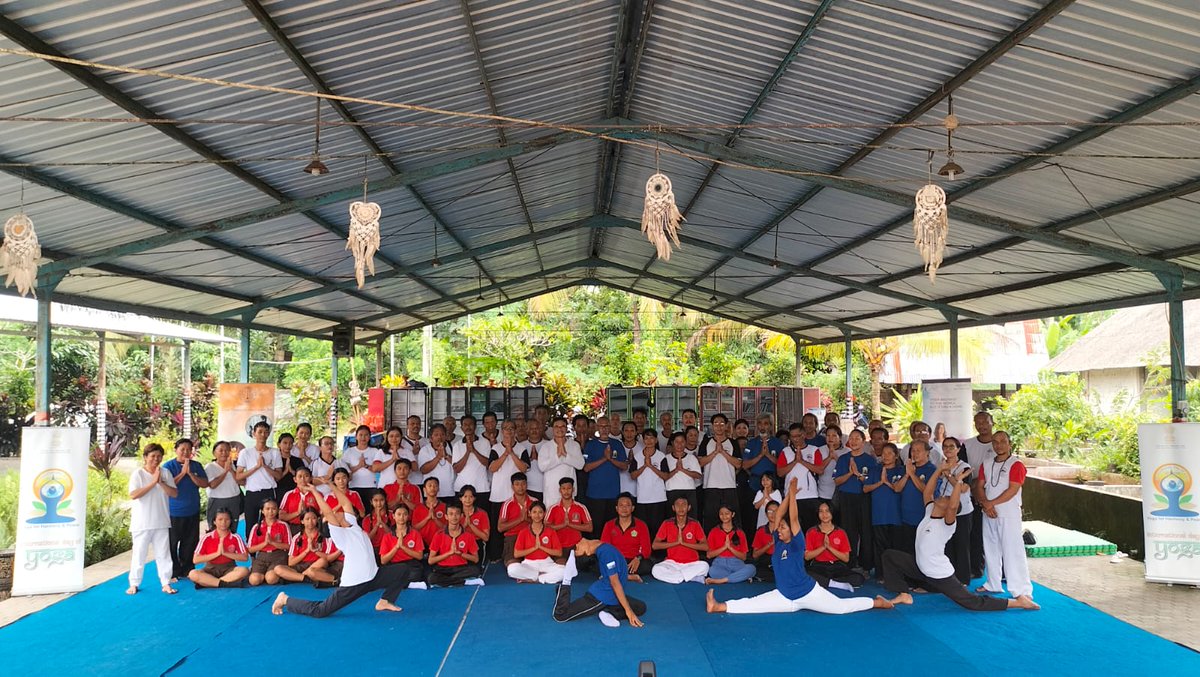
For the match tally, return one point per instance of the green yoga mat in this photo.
(1055, 541)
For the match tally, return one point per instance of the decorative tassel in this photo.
(930, 227)
(660, 217)
(364, 237)
(19, 253)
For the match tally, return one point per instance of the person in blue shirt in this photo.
(917, 472)
(606, 597)
(603, 460)
(884, 483)
(855, 505)
(794, 588)
(759, 455)
(811, 436)
(189, 478)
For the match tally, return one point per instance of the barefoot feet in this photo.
(384, 605)
(280, 602)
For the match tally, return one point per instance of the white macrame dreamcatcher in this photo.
(931, 225)
(20, 251)
(660, 216)
(364, 235)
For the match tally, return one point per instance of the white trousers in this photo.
(670, 571)
(1004, 555)
(142, 541)
(540, 570)
(819, 600)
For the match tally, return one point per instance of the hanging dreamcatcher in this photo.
(931, 224)
(363, 241)
(660, 216)
(20, 251)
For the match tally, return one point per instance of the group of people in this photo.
(546, 499)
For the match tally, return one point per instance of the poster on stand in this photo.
(242, 405)
(52, 510)
(948, 401)
(1170, 504)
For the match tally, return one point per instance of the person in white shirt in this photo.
(508, 457)
(491, 428)
(357, 460)
(150, 487)
(808, 466)
(535, 434)
(920, 430)
(631, 441)
(435, 461)
(647, 469)
(305, 449)
(766, 495)
(959, 548)
(469, 456)
(413, 443)
(557, 458)
(978, 450)
(324, 466)
(720, 465)
(666, 425)
(831, 451)
(224, 492)
(683, 470)
(383, 461)
(451, 425)
(259, 469)
(998, 490)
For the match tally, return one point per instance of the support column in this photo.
(244, 349)
(952, 318)
(379, 363)
(799, 362)
(849, 347)
(185, 360)
(333, 400)
(101, 391)
(42, 375)
(1179, 404)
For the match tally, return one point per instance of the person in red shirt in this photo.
(630, 536)
(683, 539)
(306, 556)
(341, 480)
(535, 549)
(429, 517)
(827, 551)
(404, 548)
(475, 520)
(453, 553)
(763, 546)
(268, 543)
(727, 548)
(296, 501)
(569, 518)
(402, 491)
(219, 552)
(514, 514)
(379, 521)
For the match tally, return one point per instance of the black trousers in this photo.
(899, 568)
(365, 495)
(566, 610)
(886, 537)
(908, 539)
(253, 506)
(183, 538)
(713, 500)
(447, 577)
(232, 504)
(495, 542)
(958, 548)
(653, 514)
(763, 569)
(747, 514)
(856, 521)
(823, 572)
(807, 507)
(603, 510)
(976, 540)
(693, 511)
(392, 578)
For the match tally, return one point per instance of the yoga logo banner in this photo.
(51, 511)
(241, 406)
(948, 401)
(1170, 502)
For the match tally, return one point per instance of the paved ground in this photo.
(1120, 590)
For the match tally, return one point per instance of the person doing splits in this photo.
(931, 568)
(606, 597)
(683, 539)
(795, 589)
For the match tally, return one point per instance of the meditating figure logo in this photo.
(53, 488)
(1172, 483)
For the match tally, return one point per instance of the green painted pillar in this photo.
(244, 351)
(1174, 286)
(849, 374)
(42, 374)
(952, 318)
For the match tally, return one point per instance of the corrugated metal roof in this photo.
(702, 65)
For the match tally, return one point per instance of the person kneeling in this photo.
(795, 589)
(219, 552)
(535, 549)
(606, 597)
(453, 553)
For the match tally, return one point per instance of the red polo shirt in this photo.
(632, 542)
(278, 532)
(368, 524)
(718, 537)
(692, 533)
(558, 518)
(441, 544)
(838, 540)
(511, 510)
(412, 541)
(764, 537)
(295, 501)
(410, 491)
(479, 520)
(232, 543)
(332, 501)
(432, 526)
(526, 539)
(298, 542)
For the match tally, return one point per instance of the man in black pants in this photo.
(606, 597)
(931, 568)
(184, 535)
(360, 574)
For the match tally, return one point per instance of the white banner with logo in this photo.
(948, 401)
(1170, 501)
(52, 510)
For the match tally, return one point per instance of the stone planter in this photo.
(6, 573)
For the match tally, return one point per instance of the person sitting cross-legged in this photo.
(220, 551)
(683, 539)
(727, 548)
(535, 550)
(454, 553)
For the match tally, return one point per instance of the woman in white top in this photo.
(558, 457)
(766, 494)
(413, 444)
(647, 469)
(149, 518)
(324, 466)
(683, 471)
(830, 453)
(357, 460)
(305, 449)
(384, 460)
(632, 442)
(223, 489)
(507, 458)
(435, 460)
(259, 468)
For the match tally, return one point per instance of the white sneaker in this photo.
(838, 585)
(419, 585)
(570, 571)
(473, 581)
(609, 620)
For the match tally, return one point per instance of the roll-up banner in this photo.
(948, 401)
(1170, 502)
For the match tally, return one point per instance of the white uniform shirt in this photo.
(762, 511)
(825, 483)
(228, 488)
(534, 474)
(681, 482)
(555, 468)
(996, 481)
(388, 474)
(807, 486)
(695, 453)
(309, 454)
(261, 480)
(151, 511)
(360, 564)
(443, 471)
(932, 535)
(320, 469)
(650, 487)
(627, 482)
(362, 478)
(936, 456)
(411, 450)
(502, 478)
(475, 472)
(945, 488)
(720, 473)
(978, 452)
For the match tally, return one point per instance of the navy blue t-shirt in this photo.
(791, 578)
(885, 503)
(853, 485)
(753, 447)
(912, 500)
(818, 441)
(187, 503)
(610, 561)
(605, 481)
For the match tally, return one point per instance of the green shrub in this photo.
(10, 486)
(902, 413)
(1051, 416)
